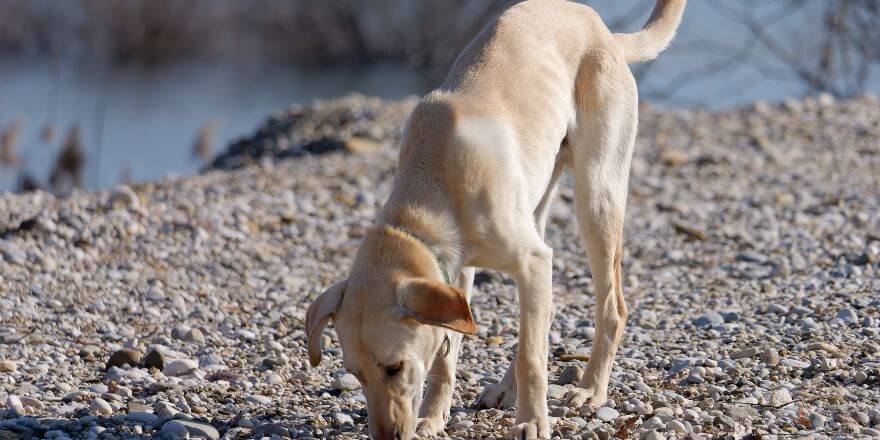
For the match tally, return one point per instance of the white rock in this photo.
(180, 367)
(100, 406)
(346, 382)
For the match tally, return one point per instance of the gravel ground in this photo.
(752, 272)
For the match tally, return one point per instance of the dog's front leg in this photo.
(438, 395)
(441, 376)
(534, 282)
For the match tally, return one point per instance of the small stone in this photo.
(848, 316)
(342, 419)
(571, 374)
(7, 366)
(555, 391)
(607, 413)
(823, 346)
(180, 367)
(770, 357)
(817, 421)
(262, 400)
(270, 429)
(124, 197)
(677, 426)
(673, 157)
(14, 405)
(494, 340)
(100, 407)
(154, 359)
(196, 335)
(860, 377)
(654, 435)
(141, 417)
(193, 429)
(709, 319)
(744, 354)
(568, 357)
(361, 145)
(463, 425)
(346, 382)
(126, 356)
(780, 397)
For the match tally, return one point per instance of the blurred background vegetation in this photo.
(142, 88)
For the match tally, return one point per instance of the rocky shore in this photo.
(175, 308)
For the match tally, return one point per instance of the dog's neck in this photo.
(431, 230)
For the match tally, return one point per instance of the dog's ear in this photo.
(320, 311)
(432, 302)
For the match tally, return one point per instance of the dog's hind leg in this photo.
(441, 377)
(602, 149)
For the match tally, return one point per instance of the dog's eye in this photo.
(392, 370)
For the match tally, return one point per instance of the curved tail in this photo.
(655, 35)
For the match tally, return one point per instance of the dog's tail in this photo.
(655, 35)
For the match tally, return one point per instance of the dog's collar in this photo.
(444, 269)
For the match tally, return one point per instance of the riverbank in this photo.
(752, 258)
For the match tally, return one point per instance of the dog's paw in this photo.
(531, 430)
(577, 397)
(430, 427)
(500, 395)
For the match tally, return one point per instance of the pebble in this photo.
(7, 366)
(817, 421)
(126, 356)
(607, 413)
(709, 319)
(570, 375)
(342, 419)
(770, 357)
(141, 417)
(180, 367)
(262, 400)
(848, 316)
(184, 428)
(780, 397)
(14, 405)
(346, 382)
(100, 407)
(744, 354)
(154, 359)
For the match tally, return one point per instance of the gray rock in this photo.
(193, 429)
(848, 316)
(346, 382)
(570, 375)
(709, 319)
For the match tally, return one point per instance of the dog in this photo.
(544, 87)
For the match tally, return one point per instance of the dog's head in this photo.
(392, 316)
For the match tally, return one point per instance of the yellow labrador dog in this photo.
(546, 86)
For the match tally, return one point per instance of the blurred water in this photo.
(143, 122)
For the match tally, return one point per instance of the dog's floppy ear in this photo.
(432, 302)
(320, 311)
